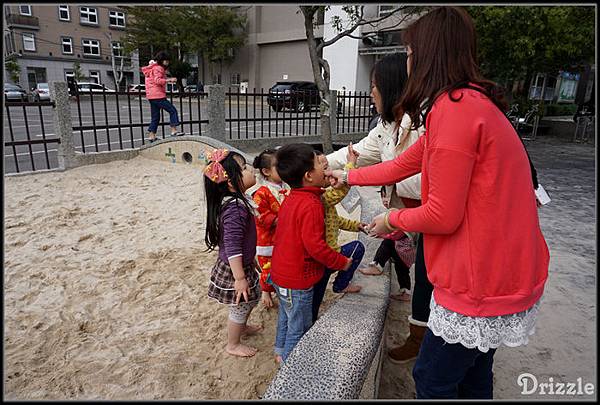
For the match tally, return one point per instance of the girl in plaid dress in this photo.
(231, 228)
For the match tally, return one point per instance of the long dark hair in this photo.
(215, 192)
(390, 76)
(161, 57)
(444, 59)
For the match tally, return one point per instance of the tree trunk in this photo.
(320, 70)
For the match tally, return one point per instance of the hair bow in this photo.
(214, 170)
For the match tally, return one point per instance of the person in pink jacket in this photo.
(156, 83)
(484, 250)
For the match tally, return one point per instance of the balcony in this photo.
(22, 21)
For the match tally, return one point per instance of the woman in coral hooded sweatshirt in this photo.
(156, 93)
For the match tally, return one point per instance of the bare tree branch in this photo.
(361, 22)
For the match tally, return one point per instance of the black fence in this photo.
(353, 112)
(28, 146)
(256, 115)
(107, 121)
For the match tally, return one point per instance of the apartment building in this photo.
(47, 39)
(276, 48)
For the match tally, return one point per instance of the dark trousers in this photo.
(387, 251)
(354, 250)
(451, 371)
(155, 106)
(421, 296)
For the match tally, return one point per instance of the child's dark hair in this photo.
(215, 192)
(293, 161)
(160, 57)
(264, 160)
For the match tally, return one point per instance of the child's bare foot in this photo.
(250, 330)
(371, 270)
(278, 359)
(241, 350)
(352, 288)
(403, 296)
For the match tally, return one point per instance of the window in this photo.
(94, 76)
(91, 47)
(117, 49)
(69, 73)
(63, 13)
(29, 42)
(25, 10)
(88, 15)
(116, 18)
(67, 45)
(385, 10)
(235, 78)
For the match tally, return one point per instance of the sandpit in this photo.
(105, 286)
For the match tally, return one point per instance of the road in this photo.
(258, 121)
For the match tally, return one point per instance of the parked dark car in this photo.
(299, 96)
(14, 92)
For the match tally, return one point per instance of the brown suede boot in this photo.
(410, 349)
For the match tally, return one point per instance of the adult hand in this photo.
(352, 155)
(335, 178)
(241, 289)
(378, 227)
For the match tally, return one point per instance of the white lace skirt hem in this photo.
(483, 333)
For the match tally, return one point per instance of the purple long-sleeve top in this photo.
(238, 236)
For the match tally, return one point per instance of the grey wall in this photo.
(289, 58)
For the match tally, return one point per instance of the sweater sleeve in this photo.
(451, 158)
(235, 217)
(349, 224)
(157, 76)
(266, 215)
(391, 171)
(313, 232)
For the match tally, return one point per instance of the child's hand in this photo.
(241, 289)
(352, 155)
(266, 299)
(363, 227)
(347, 266)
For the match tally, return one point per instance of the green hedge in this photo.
(560, 109)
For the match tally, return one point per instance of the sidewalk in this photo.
(564, 344)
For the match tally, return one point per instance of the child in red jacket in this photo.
(268, 197)
(301, 253)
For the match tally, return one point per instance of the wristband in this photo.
(386, 221)
(345, 177)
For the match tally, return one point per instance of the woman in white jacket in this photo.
(385, 142)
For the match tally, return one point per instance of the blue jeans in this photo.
(294, 318)
(155, 106)
(451, 371)
(355, 250)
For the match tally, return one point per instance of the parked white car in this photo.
(41, 92)
(84, 87)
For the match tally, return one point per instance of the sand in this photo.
(105, 281)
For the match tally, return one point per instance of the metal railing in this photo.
(127, 115)
(261, 114)
(353, 114)
(23, 152)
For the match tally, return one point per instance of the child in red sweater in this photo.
(301, 253)
(268, 197)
